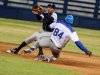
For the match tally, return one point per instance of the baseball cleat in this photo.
(27, 51)
(46, 59)
(12, 51)
(8, 51)
(49, 59)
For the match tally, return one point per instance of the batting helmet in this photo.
(69, 19)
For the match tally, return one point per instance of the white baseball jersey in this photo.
(62, 34)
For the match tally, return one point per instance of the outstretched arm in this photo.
(83, 48)
(75, 39)
(38, 11)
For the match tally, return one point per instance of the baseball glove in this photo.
(38, 9)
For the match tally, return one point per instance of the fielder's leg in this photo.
(24, 43)
(40, 51)
(16, 50)
(40, 54)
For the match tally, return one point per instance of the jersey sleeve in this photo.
(81, 46)
(38, 17)
(75, 39)
(73, 36)
(41, 16)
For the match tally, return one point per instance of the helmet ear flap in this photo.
(69, 19)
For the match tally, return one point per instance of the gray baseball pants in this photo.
(36, 36)
(46, 42)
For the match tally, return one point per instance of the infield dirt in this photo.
(68, 60)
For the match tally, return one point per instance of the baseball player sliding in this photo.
(61, 35)
(47, 18)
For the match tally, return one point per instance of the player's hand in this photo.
(89, 53)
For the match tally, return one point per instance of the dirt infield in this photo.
(74, 61)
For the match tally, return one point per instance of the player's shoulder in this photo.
(65, 25)
(54, 14)
(70, 28)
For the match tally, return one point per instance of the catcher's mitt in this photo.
(38, 9)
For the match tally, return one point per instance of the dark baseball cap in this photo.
(52, 5)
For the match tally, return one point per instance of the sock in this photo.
(23, 44)
(40, 51)
(32, 49)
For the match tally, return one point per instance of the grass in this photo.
(15, 31)
(19, 66)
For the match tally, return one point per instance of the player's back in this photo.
(61, 34)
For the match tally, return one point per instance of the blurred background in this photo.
(86, 12)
